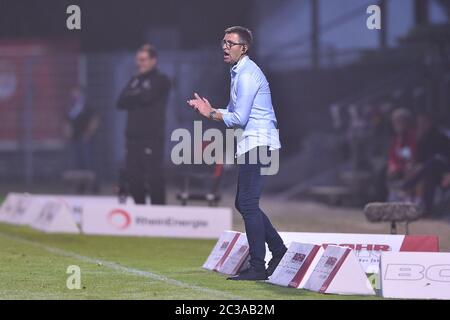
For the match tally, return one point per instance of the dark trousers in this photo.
(145, 172)
(258, 227)
(81, 152)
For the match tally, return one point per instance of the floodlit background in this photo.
(334, 85)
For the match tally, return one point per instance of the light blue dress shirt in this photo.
(250, 108)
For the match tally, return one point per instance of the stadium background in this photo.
(318, 55)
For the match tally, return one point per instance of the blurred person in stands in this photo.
(81, 125)
(379, 143)
(433, 160)
(144, 99)
(358, 137)
(446, 181)
(379, 125)
(402, 154)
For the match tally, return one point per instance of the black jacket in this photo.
(145, 99)
(433, 143)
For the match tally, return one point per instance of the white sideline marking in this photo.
(120, 268)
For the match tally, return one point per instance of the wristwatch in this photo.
(212, 114)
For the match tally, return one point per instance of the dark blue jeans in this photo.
(258, 227)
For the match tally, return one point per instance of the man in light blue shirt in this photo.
(250, 109)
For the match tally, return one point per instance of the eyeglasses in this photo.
(229, 44)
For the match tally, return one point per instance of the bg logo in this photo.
(416, 272)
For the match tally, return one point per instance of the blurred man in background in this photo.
(402, 150)
(81, 125)
(402, 154)
(144, 99)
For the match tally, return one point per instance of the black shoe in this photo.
(273, 263)
(250, 274)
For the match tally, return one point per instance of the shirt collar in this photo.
(238, 66)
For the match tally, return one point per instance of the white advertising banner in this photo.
(367, 247)
(236, 258)
(23, 208)
(77, 203)
(293, 268)
(338, 272)
(31, 207)
(12, 207)
(55, 217)
(415, 275)
(221, 250)
(155, 220)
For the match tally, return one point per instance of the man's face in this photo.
(144, 62)
(232, 51)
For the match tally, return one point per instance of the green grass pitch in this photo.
(33, 266)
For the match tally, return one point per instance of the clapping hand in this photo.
(201, 105)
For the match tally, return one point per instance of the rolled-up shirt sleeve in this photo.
(247, 87)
